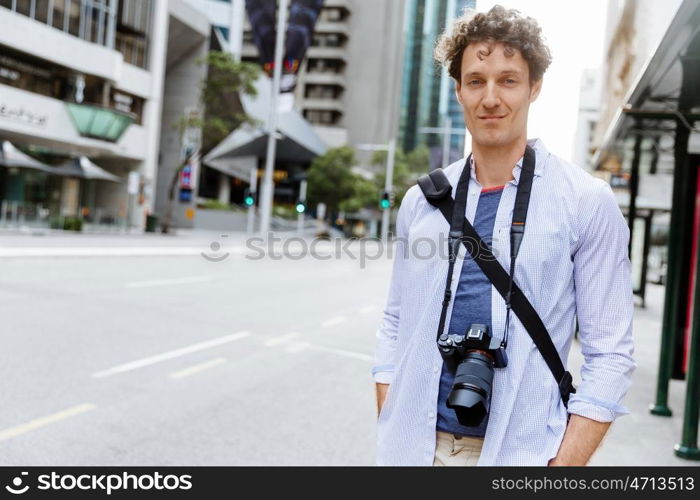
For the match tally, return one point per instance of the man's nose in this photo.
(491, 97)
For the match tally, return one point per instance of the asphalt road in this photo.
(178, 360)
(143, 350)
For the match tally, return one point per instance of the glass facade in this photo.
(427, 94)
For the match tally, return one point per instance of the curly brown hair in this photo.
(499, 24)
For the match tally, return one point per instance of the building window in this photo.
(322, 117)
(224, 31)
(313, 91)
(91, 20)
(333, 14)
(328, 40)
(133, 21)
(324, 65)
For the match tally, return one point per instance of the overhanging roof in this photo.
(297, 140)
(659, 82)
(10, 156)
(83, 168)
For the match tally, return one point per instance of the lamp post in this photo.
(388, 182)
(267, 185)
(446, 131)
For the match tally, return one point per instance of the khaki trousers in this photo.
(451, 450)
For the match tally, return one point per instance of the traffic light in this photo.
(300, 206)
(248, 197)
(385, 201)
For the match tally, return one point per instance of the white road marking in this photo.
(333, 321)
(166, 282)
(294, 347)
(140, 363)
(341, 352)
(37, 423)
(198, 368)
(367, 309)
(281, 339)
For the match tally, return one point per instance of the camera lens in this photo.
(471, 392)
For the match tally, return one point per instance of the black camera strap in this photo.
(437, 190)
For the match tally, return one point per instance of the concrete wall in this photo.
(374, 70)
(181, 92)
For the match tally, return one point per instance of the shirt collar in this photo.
(541, 154)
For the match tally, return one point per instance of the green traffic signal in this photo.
(249, 201)
(385, 201)
(300, 207)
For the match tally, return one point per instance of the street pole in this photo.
(267, 187)
(251, 209)
(301, 216)
(388, 182)
(446, 131)
(688, 447)
(388, 185)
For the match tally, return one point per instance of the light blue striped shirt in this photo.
(572, 263)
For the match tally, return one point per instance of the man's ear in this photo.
(459, 97)
(535, 90)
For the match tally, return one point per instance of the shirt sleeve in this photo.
(605, 306)
(383, 370)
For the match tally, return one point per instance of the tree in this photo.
(220, 95)
(331, 180)
(407, 169)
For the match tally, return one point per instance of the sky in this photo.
(574, 32)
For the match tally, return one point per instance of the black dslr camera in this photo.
(472, 359)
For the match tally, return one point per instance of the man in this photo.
(572, 265)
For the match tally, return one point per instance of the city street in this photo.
(179, 360)
(139, 350)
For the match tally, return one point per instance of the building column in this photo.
(152, 109)
(673, 299)
(224, 188)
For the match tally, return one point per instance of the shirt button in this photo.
(436, 368)
(431, 415)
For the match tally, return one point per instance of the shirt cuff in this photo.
(383, 374)
(595, 409)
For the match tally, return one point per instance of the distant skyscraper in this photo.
(427, 95)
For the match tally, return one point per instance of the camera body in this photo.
(472, 356)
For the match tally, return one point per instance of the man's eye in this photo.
(510, 81)
(474, 82)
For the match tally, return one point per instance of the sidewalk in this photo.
(54, 243)
(641, 438)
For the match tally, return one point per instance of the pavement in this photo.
(148, 349)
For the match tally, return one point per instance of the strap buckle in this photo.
(566, 386)
(454, 240)
(446, 298)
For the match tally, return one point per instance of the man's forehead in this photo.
(478, 54)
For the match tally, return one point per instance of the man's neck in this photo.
(494, 165)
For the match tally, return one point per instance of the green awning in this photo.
(99, 123)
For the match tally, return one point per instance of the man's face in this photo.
(495, 94)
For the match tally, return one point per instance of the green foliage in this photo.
(330, 178)
(407, 169)
(220, 96)
(285, 211)
(365, 195)
(332, 181)
(210, 204)
(67, 223)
